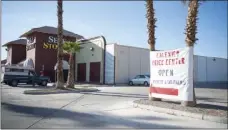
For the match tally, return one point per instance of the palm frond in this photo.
(71, 47)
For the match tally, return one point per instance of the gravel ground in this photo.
(199, 109)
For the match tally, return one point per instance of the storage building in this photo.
(123, 63)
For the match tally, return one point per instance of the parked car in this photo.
(140, 80)
(13, 75)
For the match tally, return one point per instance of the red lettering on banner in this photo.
(167, 54)
(157, 55)
(183, 59)
(170, 54)
(177, 52)
(175, 61)
(179, 62)
(173, 53)
(157, 62)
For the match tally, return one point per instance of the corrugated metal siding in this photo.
(109, 64)
(216, 69)
(145, 61)
(206, 69)
(122, 64)
(130, 61)
(202, 69)
(134, 62)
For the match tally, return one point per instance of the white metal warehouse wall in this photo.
(210, 69)
(130, 61)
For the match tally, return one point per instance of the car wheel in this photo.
(44, 83)
(146, 83)
(14, 83)
(131, 83)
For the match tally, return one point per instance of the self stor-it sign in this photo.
(171, 74)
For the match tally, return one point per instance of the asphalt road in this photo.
(109, 108)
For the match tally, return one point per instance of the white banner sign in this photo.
(171, 74)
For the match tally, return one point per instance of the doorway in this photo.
(81, 72)
(95, 72)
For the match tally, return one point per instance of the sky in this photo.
(121, 22)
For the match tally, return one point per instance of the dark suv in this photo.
(13, 76)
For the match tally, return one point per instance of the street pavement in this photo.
(109, 108)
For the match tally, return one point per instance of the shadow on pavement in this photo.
(214, 100)
(87, 119)
(211, 85)
(210, 106)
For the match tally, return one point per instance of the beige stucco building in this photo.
(89, 62)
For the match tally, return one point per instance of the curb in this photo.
(182, 113)
(68, 90)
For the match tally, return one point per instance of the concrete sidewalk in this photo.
(112, 109)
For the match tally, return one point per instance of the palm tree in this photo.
(60, 81)
(151, 20)
(191, 27)
(71, 48)
(191, 31)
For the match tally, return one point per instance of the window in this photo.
(15, 70)
(7, 70)
(142, 76)
(32, 73)
(136, 77)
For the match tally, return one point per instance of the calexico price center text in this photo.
(171, 58)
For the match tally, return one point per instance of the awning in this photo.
(28, 63)
(21, 62)
(65, 65)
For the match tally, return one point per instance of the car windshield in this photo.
(136, 77)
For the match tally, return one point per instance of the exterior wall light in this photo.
(6, 49)
(91, 49)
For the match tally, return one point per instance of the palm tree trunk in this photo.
(191, 27)
(191, 31)
(151, 20)
(60, 81)
(70, 78)
(151, 32)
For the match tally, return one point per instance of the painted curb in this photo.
(182, 113)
